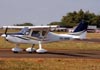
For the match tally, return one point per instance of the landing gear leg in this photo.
(31, 49)
(16, 49)
(41, 50)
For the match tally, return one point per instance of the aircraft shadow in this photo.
(76, 54)
(91, 40)
(66, 54)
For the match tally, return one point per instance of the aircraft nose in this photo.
(3, 35)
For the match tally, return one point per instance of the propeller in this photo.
(5, 35)
(6, 31)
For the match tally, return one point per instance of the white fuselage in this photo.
(20, 39)
(51, 37)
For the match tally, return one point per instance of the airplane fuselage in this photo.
(51, 37)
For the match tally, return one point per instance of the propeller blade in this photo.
(6, 31)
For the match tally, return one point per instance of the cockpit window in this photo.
(27, 32)
(38, 33)
(35, 34)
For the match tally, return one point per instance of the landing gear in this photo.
(41, 50)
(31, 49)
(16, 49)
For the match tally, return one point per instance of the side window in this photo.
(38, 33)
(43, 33)
(35, 34)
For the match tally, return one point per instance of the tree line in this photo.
(73, 18)
(24, 24)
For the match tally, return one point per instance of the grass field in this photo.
(53, 63)
(70, 45)
(49, 64)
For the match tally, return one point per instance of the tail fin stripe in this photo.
(81, 27)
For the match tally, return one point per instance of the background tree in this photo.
(73, 18)
(54, 23)
(24, 24)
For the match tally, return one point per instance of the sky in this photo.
(42, 12)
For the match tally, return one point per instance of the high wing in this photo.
(30, 27)
(33, 32)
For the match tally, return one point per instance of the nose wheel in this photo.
(16, 49)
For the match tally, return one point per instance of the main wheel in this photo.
(41, 50)
(30, 50)
(16, 50)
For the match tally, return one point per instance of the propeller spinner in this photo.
(5, 33)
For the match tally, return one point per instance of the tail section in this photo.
(81, 27)
(81, 30)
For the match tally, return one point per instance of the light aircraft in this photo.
(30, 27)
(30, 36)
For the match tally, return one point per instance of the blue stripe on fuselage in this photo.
(15, 34)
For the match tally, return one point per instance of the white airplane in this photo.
(29, 36)
(30, 27)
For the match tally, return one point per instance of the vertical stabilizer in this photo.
(81, 27)
(81, 30)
